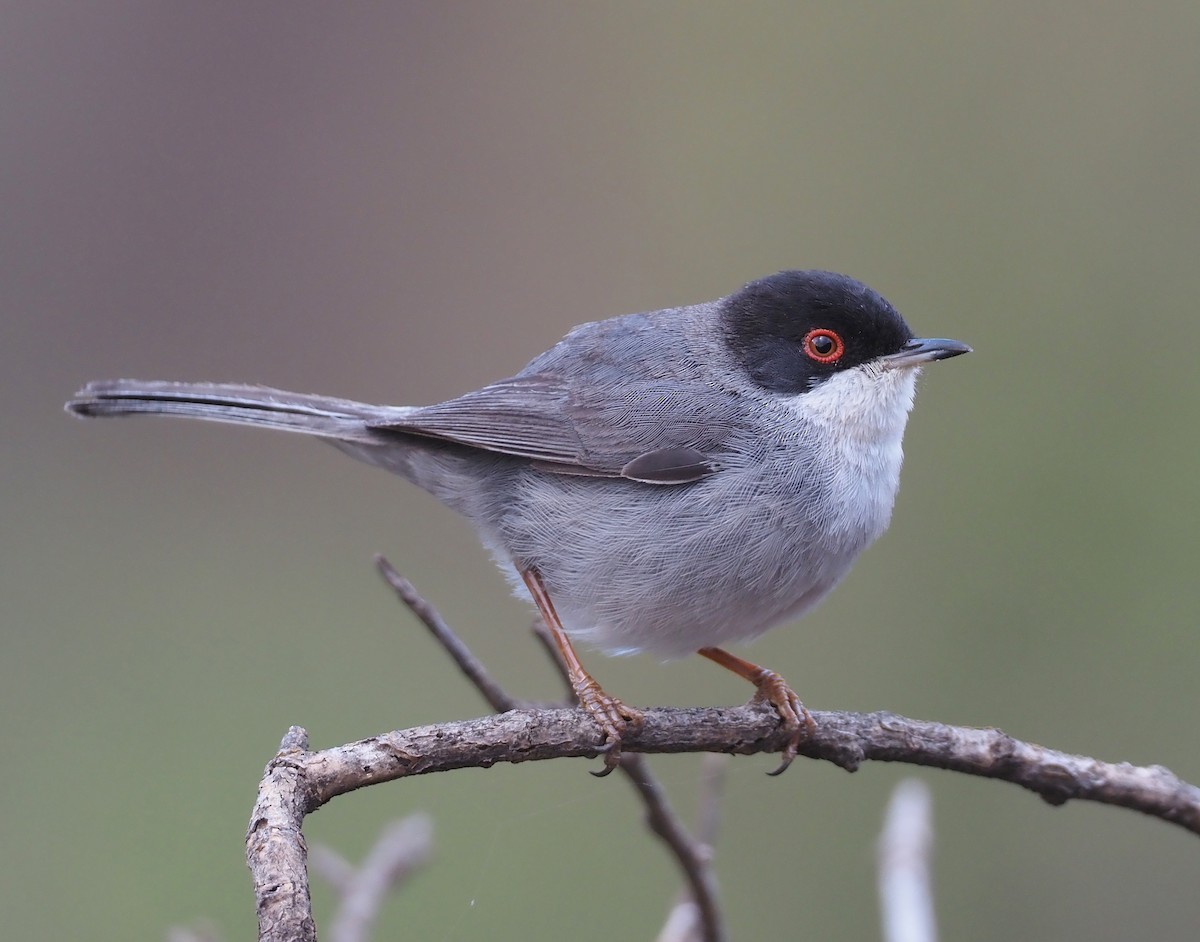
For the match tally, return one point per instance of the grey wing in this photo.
(616, 398)
(644, 432)
(525, 416)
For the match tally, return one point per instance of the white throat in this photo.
(858, 417)
(864, 404)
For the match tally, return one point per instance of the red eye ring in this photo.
(823, 345)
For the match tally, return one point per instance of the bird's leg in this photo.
(774, 689)
(609, 713)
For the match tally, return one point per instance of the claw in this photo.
(772, 688)
(793, 715)
(612, 716)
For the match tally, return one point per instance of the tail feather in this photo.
(261, 406)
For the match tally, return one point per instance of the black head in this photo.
(793, 329)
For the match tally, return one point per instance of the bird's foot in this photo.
(793, 715)
(796, 720)
(612, 716)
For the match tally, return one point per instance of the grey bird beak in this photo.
(923, 350)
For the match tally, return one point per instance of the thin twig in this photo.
(701, 911)
(471, 667)
(694, 857)
(684, 920)
(331, 867)
(402, 847)
(905, 897)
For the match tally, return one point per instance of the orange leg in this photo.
(774, 689)
(609, 713)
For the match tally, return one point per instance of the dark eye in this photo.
(823, 345)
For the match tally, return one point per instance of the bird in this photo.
(668, 482)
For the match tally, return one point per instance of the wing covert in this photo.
(613, 399)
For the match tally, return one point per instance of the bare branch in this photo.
(905, 897)
(684, 921)
(471, 667)
(845, 739)
(275, 848)
(403, 846)
(297, 782)
(694, 857)
(331, 867)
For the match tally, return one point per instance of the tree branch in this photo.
(470, 666)
(298, 781)
(902, 859)
(845, 739)
(693, 856)
(402, 848)
(275, 847)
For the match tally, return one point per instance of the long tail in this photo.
(340, 419)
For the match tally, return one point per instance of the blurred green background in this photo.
(399, 203)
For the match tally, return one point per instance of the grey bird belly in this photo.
(670, 569)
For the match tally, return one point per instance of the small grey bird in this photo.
(663, 482)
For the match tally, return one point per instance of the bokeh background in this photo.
(401, 202)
